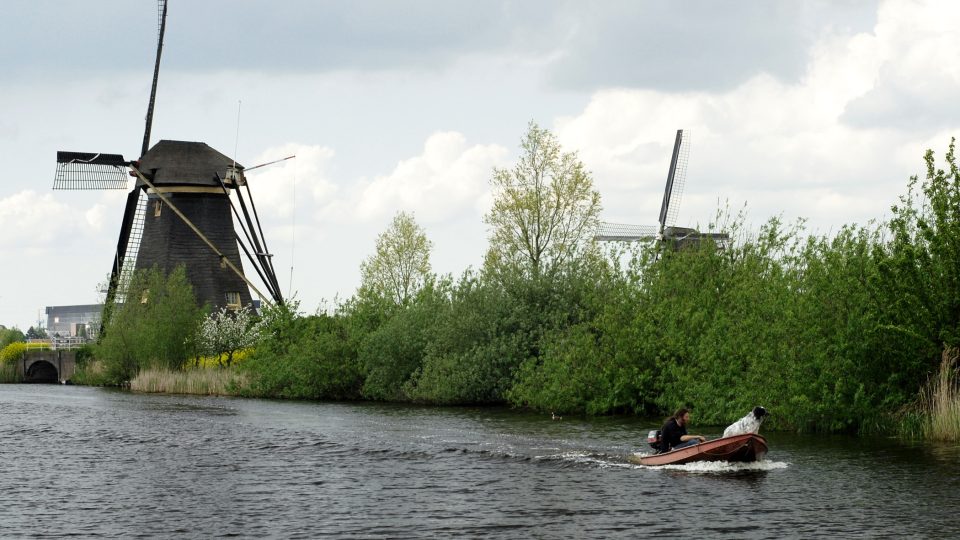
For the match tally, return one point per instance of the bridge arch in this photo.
(47, 366)
(41, 371)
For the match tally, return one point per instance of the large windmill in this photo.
(179, 212)
(665, 232)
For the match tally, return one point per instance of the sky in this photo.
(820, 110)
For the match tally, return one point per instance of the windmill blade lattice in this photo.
(129, 261)
(623, 232)
(676, 180)
(82, 170)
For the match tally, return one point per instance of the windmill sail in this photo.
(673, 191)
(666, 232)
(129, 260)
(623, 232)
(676, 178)
(81, 170)
(162, 9)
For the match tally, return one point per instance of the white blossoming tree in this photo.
(225, 332)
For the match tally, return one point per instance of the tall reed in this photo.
(8, 372)
(204, 382)
(940, 399)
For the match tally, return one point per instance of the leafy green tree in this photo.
(923, 261)
(401, 261)
(156, 327)
(10, 335)
(544, 210)
(36, 333)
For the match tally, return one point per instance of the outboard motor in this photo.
(653, 439)
(748, 424)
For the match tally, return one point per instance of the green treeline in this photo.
(837, 333)
(833, 333)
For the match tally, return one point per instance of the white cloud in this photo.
(918, 76)
(337, 220)
(33, 220)
(60, 222)
(782, 147)
(278, 187)
(447, 179)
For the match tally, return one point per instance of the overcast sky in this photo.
(818, 109)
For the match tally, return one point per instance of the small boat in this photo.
(742, 448)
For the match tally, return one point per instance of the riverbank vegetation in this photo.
(213, 381)
(940, 401)
(835, 333)
(8, 373)
(10, 354)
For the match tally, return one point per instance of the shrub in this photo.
(393, 352)
(12, 352)
(303, 358)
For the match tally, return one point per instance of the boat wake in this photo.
(718, 466)
(586, 458)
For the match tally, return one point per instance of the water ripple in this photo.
(88, 462)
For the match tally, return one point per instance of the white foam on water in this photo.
(723, 466)
(584, 458)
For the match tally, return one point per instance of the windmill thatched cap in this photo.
(185, 163)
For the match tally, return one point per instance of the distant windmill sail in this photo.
(622, 232)
(672, 193)
(666, 233)
(676, 178)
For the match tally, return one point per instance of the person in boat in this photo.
(673, 434)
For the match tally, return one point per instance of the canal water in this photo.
(91, 462)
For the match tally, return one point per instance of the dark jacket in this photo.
(670, 434)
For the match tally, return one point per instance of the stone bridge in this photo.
(50, 366)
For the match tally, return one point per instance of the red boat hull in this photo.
(739, 448)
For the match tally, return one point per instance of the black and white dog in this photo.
(748, 424)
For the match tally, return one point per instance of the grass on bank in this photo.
(940, 400)
(202, 381)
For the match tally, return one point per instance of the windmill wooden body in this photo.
(193, 176)
(666, 232)
(179, 212)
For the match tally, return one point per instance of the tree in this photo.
(156, 327)
(10, 335)
(920, 266)
(544, 209)
(225, 332)
(401, 262)
(36, 333)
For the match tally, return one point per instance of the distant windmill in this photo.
(178, 212)
(666, 232)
